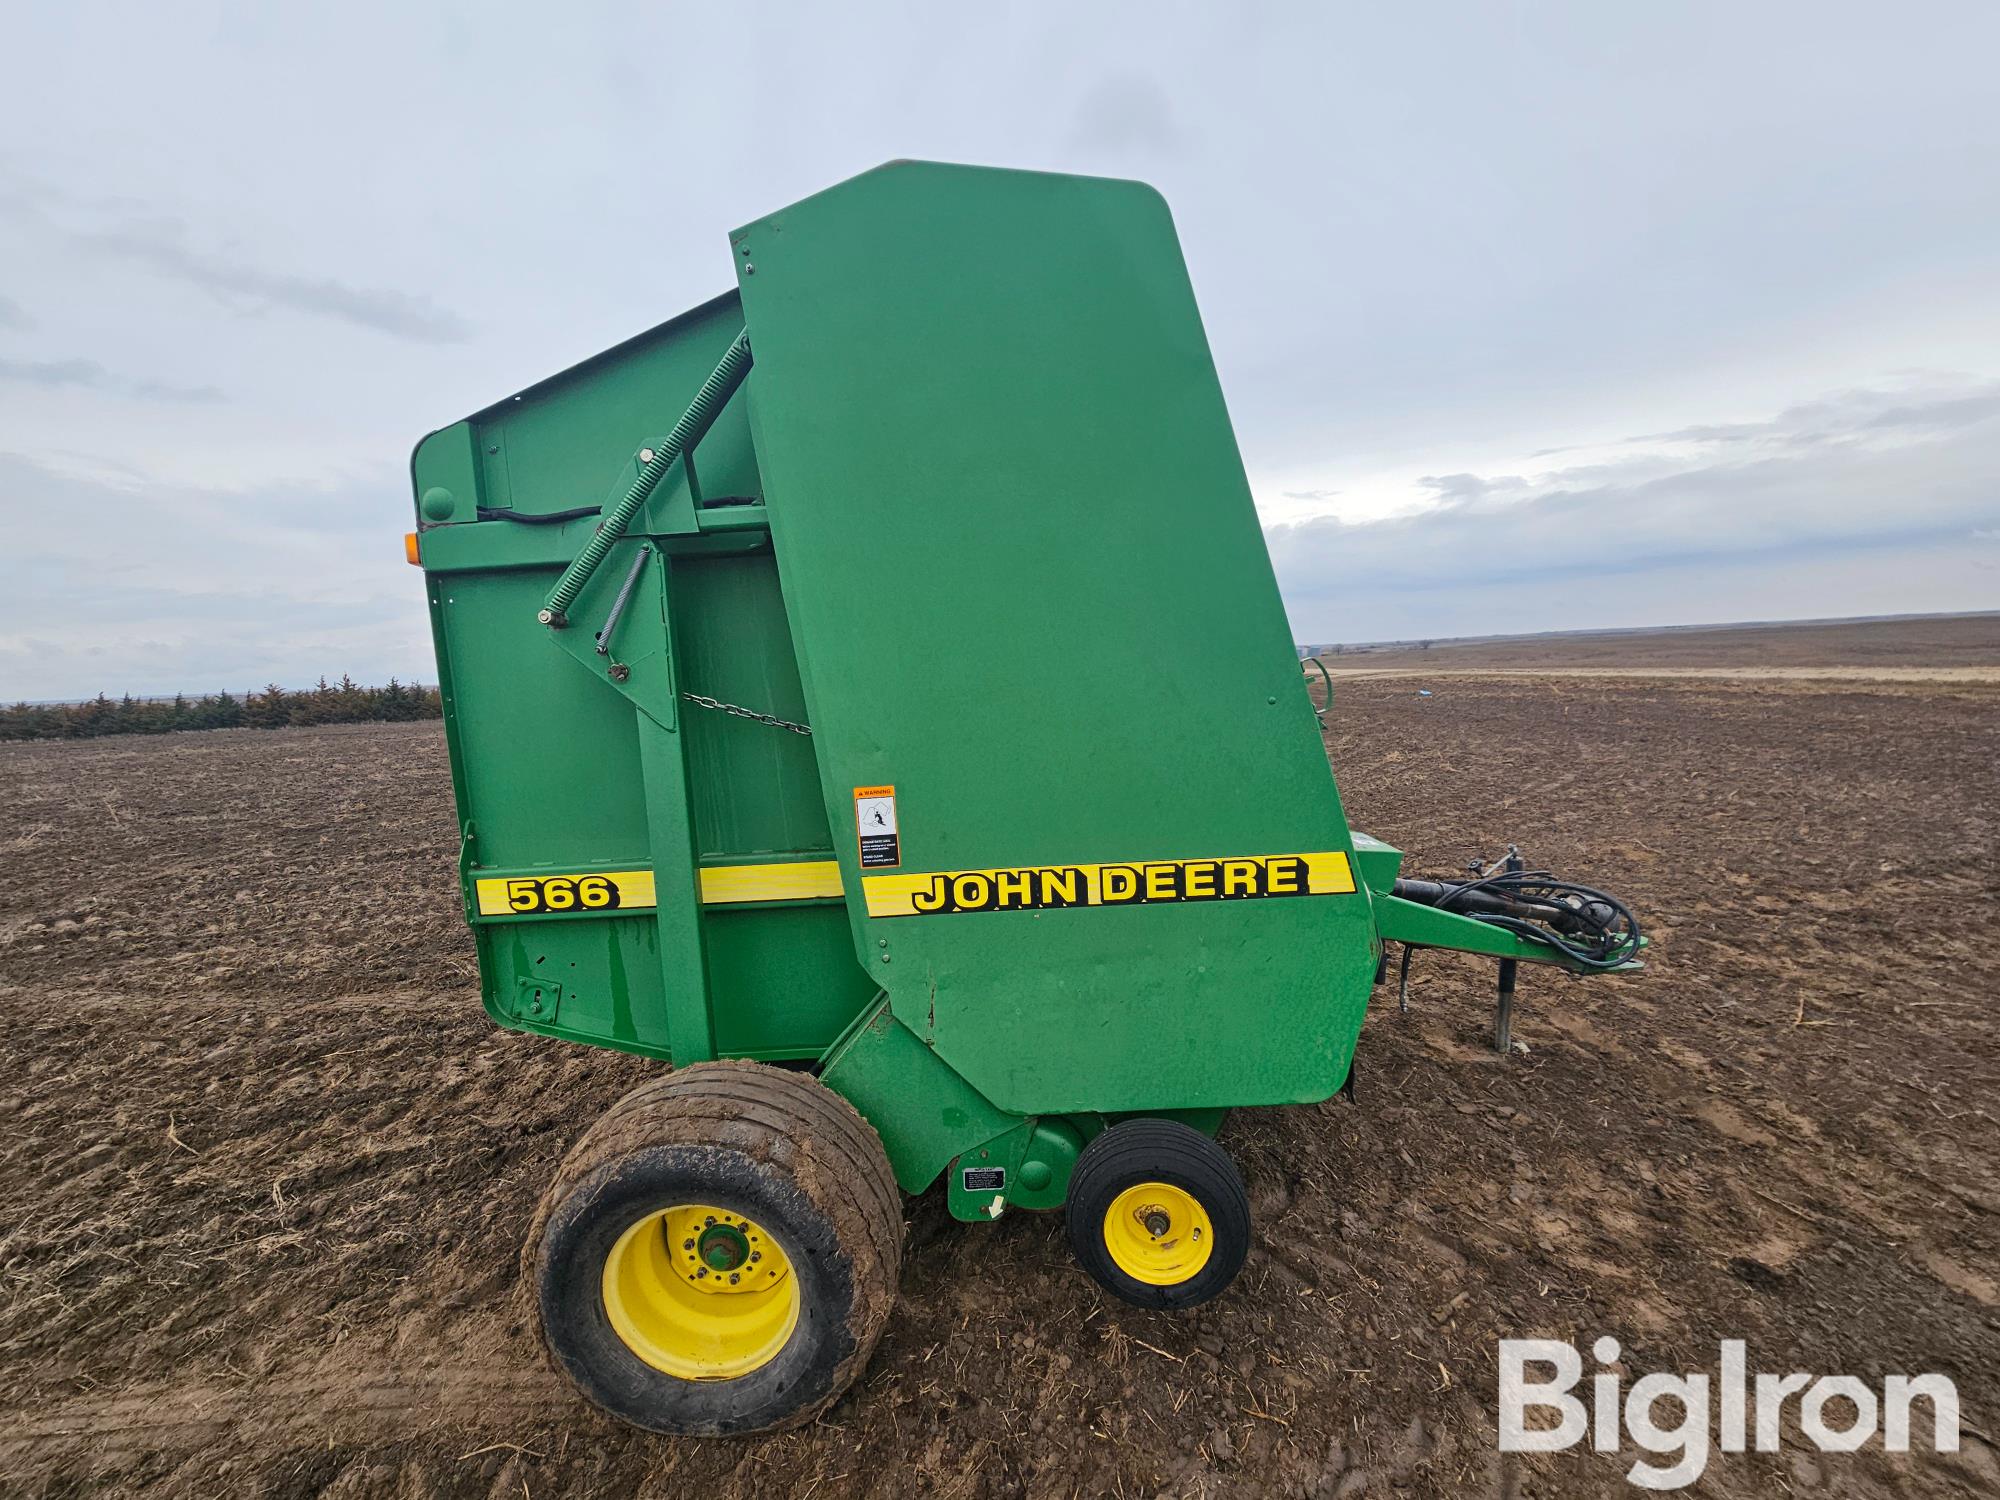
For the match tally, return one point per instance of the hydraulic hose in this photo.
(1591, 929)
(654, 463)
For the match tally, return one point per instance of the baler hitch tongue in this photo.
(1588, 929)
(1576, 927)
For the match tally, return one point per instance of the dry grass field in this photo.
(1928, 648)
(267, 1166)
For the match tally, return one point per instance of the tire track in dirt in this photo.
(353, 1394)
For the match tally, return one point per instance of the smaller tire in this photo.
(719, 1252)
(1157, 1214)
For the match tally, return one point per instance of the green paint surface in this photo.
(1028, 588)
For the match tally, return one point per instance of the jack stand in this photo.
(1503, 1013)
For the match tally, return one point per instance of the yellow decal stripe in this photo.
(541, 895)
(632, 890)
(722, 885)
(1142, 883)
(1020, 888)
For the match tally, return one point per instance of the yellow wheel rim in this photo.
(700, 1293)
(1158, 1233)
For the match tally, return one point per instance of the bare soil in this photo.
(267, 1167)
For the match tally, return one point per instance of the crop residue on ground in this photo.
(267, 1165)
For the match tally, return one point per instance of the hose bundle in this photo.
(1590, 928)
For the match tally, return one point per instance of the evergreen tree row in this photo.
(274, 708)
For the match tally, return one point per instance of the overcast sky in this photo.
(1543, 316)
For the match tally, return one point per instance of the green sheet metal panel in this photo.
(558, 771)
(756, 789)
(784, 979)
(1029, 590)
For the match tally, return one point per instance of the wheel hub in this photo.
(700, 1293)
(714, 1250)
(723, 1247)
(1158, 1233)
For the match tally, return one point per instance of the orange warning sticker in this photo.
(875, 827)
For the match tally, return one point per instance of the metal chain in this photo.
(738, 711)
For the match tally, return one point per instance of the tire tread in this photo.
(791, 1121)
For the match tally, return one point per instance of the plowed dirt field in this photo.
(266, 1166)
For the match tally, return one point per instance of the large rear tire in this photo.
(719, 1252)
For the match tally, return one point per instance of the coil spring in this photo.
(708, 401)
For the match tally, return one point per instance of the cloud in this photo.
(1450, 491)
(88, 374)
(129, 230)
(179, 588)
(1854, 476)
(1847, 417)
(161, 246)
(12, 315)
(1126, 112)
